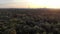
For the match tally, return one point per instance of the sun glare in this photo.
(44, 3)
(40, 3)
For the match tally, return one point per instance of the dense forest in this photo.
(29, 21)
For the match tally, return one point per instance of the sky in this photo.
(29, 3)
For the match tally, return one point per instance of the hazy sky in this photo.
(29, 3)
(13, 4)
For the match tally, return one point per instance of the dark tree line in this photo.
(16, 21)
